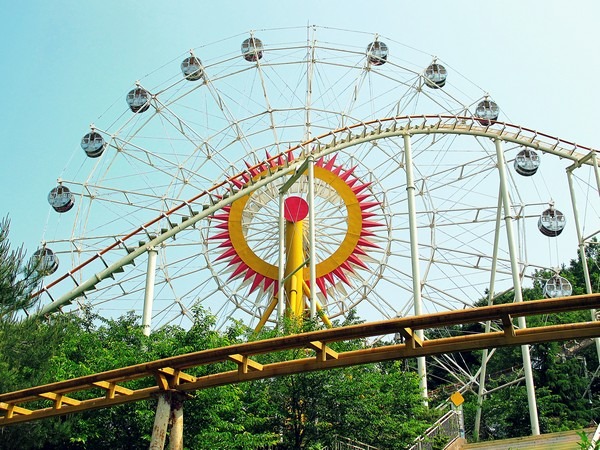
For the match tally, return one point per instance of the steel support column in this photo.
(580, 241)
(312, 263)
(488, 324)
(414, 256)
(149, 292)
(281, 273)
(516, 276)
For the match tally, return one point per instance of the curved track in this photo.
(105, 267)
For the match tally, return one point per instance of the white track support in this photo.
(580, 240)
(281, 273)
(149, 292)
(596, 170)
(414, 255)
(516, 275)
(485, 356)
(312, 264)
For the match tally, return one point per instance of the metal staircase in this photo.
(342, 443)
(441, 434)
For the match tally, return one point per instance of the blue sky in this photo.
(66, 62)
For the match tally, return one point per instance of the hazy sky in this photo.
(65, 62)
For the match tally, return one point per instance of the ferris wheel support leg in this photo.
(580, 240)
(149, 291)
(488, 324)
(311, 236)
(516, 276)
(414, 255)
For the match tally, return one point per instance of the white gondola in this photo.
(527, 162)
(191, 67)
(44, 261)
(138, 100)
(435, 76)
(377, 53)
(93, 144)
(61, 199)
(252, 49)
(486, 112)
(551, 222)
(557, 286)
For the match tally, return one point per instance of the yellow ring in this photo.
(326, 266)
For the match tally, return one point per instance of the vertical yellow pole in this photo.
(294, 261)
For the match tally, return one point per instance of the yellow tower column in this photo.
(295, 211)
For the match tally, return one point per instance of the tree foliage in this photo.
(566, 392)
(17, 279)
(379, 404)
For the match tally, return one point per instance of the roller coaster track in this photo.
(224, 193)
(171, 374)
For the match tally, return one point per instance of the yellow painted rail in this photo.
(170, 373)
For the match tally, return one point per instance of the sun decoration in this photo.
(248, 229)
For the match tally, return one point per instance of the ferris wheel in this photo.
(408, 191)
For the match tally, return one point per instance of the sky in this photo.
(65, 62)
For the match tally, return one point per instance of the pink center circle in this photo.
(295, 209)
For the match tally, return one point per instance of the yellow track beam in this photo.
(168, 373)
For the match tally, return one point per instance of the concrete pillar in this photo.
(161, 421)
(176, 435)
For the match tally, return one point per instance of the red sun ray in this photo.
(365, 243)
(258, 280)
(321, 285)
(366, 233)
(227, 254)
(225, 244)
(341, 275)
(253, 170)
(358, 189)
(249, 273)
(344, 176)
(330, 163)
(223, 217)
(222, 235)
(371, 224)
(239, 269)
(344, 271)
(354, 259)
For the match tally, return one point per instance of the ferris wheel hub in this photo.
(295, 209)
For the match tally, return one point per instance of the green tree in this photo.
(18, 279)
(26, 346)
(561, 370)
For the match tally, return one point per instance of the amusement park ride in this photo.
(309, 178)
